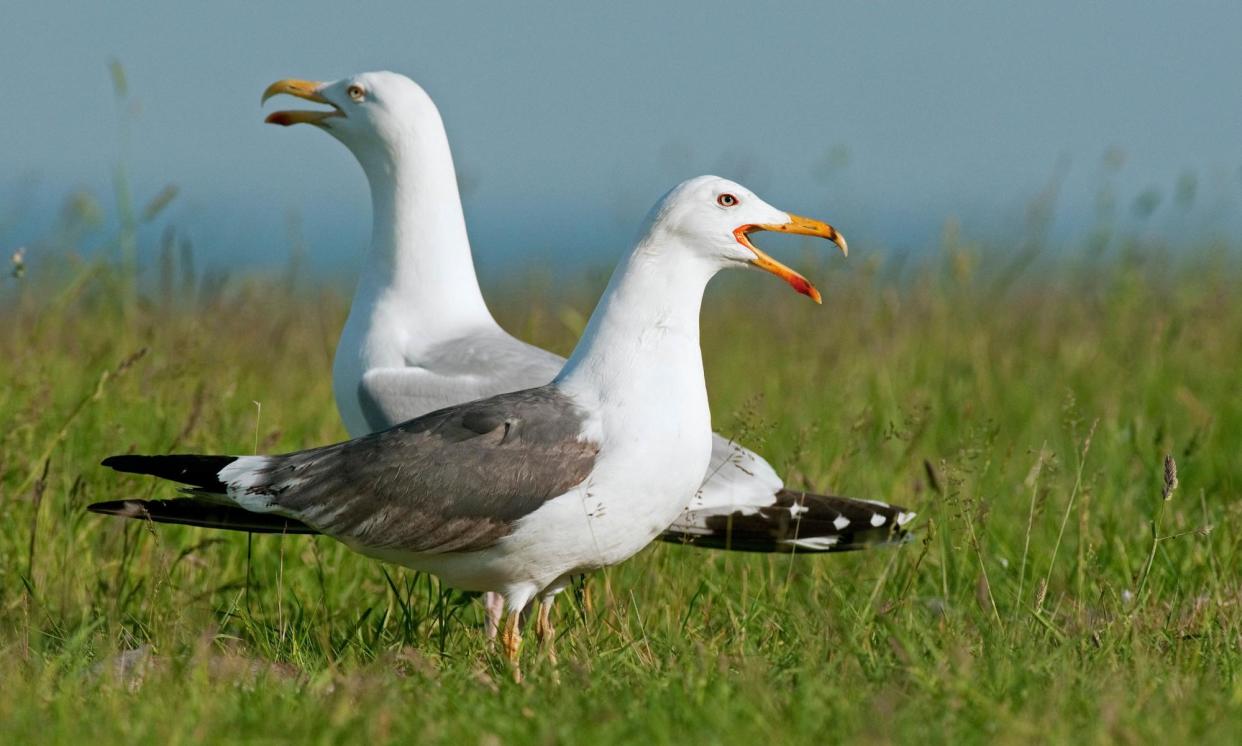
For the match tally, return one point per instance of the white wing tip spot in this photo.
(840, 523)
(878, 519)
(816, 542)
(689, 529)
(905, 517)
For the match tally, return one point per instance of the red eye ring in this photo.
(726, 200)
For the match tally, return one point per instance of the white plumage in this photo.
(470, 493)
(420, 337)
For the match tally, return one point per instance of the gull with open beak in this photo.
(420, 337)
(517, 493)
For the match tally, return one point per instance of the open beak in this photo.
(800, 226)
(303, 89)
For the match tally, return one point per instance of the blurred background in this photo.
(895, 121)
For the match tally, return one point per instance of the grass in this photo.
(1024, 406)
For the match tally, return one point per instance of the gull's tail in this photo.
(792, 522)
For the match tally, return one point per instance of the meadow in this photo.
(1066, 421)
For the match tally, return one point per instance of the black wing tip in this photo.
(130, 463)
(117, 463)
(195, 470)
(191, 512)
(802, 523)
(122, 508)
(761, 542)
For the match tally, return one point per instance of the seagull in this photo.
(420, 337)
(518, 492)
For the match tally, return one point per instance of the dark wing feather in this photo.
(799, 522)
(191, 512)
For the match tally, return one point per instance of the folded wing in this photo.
(454, 480)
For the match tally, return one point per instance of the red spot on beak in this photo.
(802, 286)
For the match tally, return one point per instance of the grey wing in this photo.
(471, 367)
(454, 480)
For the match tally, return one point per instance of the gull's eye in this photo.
(726, 200)
(356, 93)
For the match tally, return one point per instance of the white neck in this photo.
(641, 346)
(419, 261)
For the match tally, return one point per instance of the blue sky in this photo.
(569, 120)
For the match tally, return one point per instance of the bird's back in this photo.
(384, 374)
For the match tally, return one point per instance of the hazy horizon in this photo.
(567, 123)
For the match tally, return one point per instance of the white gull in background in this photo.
(516, 493)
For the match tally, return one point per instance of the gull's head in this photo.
(365, 111)
(717, 217)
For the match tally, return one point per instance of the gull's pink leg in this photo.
(494, 608)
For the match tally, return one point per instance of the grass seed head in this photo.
(1170, 477)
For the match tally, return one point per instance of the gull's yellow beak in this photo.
(303, 89)
(801, 226)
